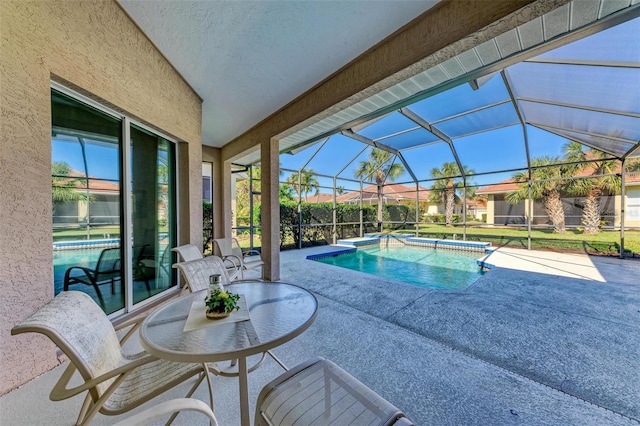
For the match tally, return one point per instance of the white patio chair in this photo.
(234, 257)
(318, 391)
(114, 382)
(196, 272)
(189, 252)
(164, 408)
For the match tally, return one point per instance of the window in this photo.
(206, 188)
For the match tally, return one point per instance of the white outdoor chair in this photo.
(196, 272)
(168, 407)
(234, 257)
(318, 391)
(190, 252)
(115, 382)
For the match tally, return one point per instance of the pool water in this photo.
(425, 267)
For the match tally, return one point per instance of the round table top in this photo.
(278, 312)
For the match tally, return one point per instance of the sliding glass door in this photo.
(112, 182)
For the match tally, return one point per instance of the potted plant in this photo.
(220, 303)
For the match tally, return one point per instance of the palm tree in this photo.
(545, 187)
(446, 188)
(308, 182)
(63, 187)
(592, 188)
(286, 193)
(379, 167)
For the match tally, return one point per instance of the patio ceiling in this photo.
(573, 72)
(248, 59)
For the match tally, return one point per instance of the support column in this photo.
(270, 208)
(184, 206)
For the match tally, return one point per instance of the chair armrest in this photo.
(60, 390)
(235, 260)
(134, 323)
(87, 271)
(172, 406)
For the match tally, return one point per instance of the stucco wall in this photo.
(96, 49)
(632, 200)
(490, 209)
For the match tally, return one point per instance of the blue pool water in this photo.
(425, 267)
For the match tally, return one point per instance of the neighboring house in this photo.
(103, 208)
(319, 198)
(392, 194)
(500, 212)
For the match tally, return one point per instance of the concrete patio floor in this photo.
(541, 339)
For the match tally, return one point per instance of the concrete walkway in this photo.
(544, 262)
(535, 341)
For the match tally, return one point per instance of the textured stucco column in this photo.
(190, 194)
(270, 208)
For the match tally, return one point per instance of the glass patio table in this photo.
(276, 312)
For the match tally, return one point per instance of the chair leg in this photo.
(83, 410)
(95, 286)
(204, 374)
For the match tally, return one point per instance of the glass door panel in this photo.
(85, 187)
(153, 211)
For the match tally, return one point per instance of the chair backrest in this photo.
(108, 265)
(188, 252)
(77, 325)
(236, 249)
(224, 246)
(318, 390)
(196, 272)
(229, 247)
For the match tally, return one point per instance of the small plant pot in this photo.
(217, 315)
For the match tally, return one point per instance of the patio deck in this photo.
(527, 344)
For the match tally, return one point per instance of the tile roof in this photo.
(395, 192)
(95, 184)
(632, 179)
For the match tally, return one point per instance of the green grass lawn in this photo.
(605, 243)
(81, 234)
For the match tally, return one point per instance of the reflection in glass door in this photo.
(86, 220)
(153, 212)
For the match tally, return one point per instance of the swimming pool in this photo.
(421, 266)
